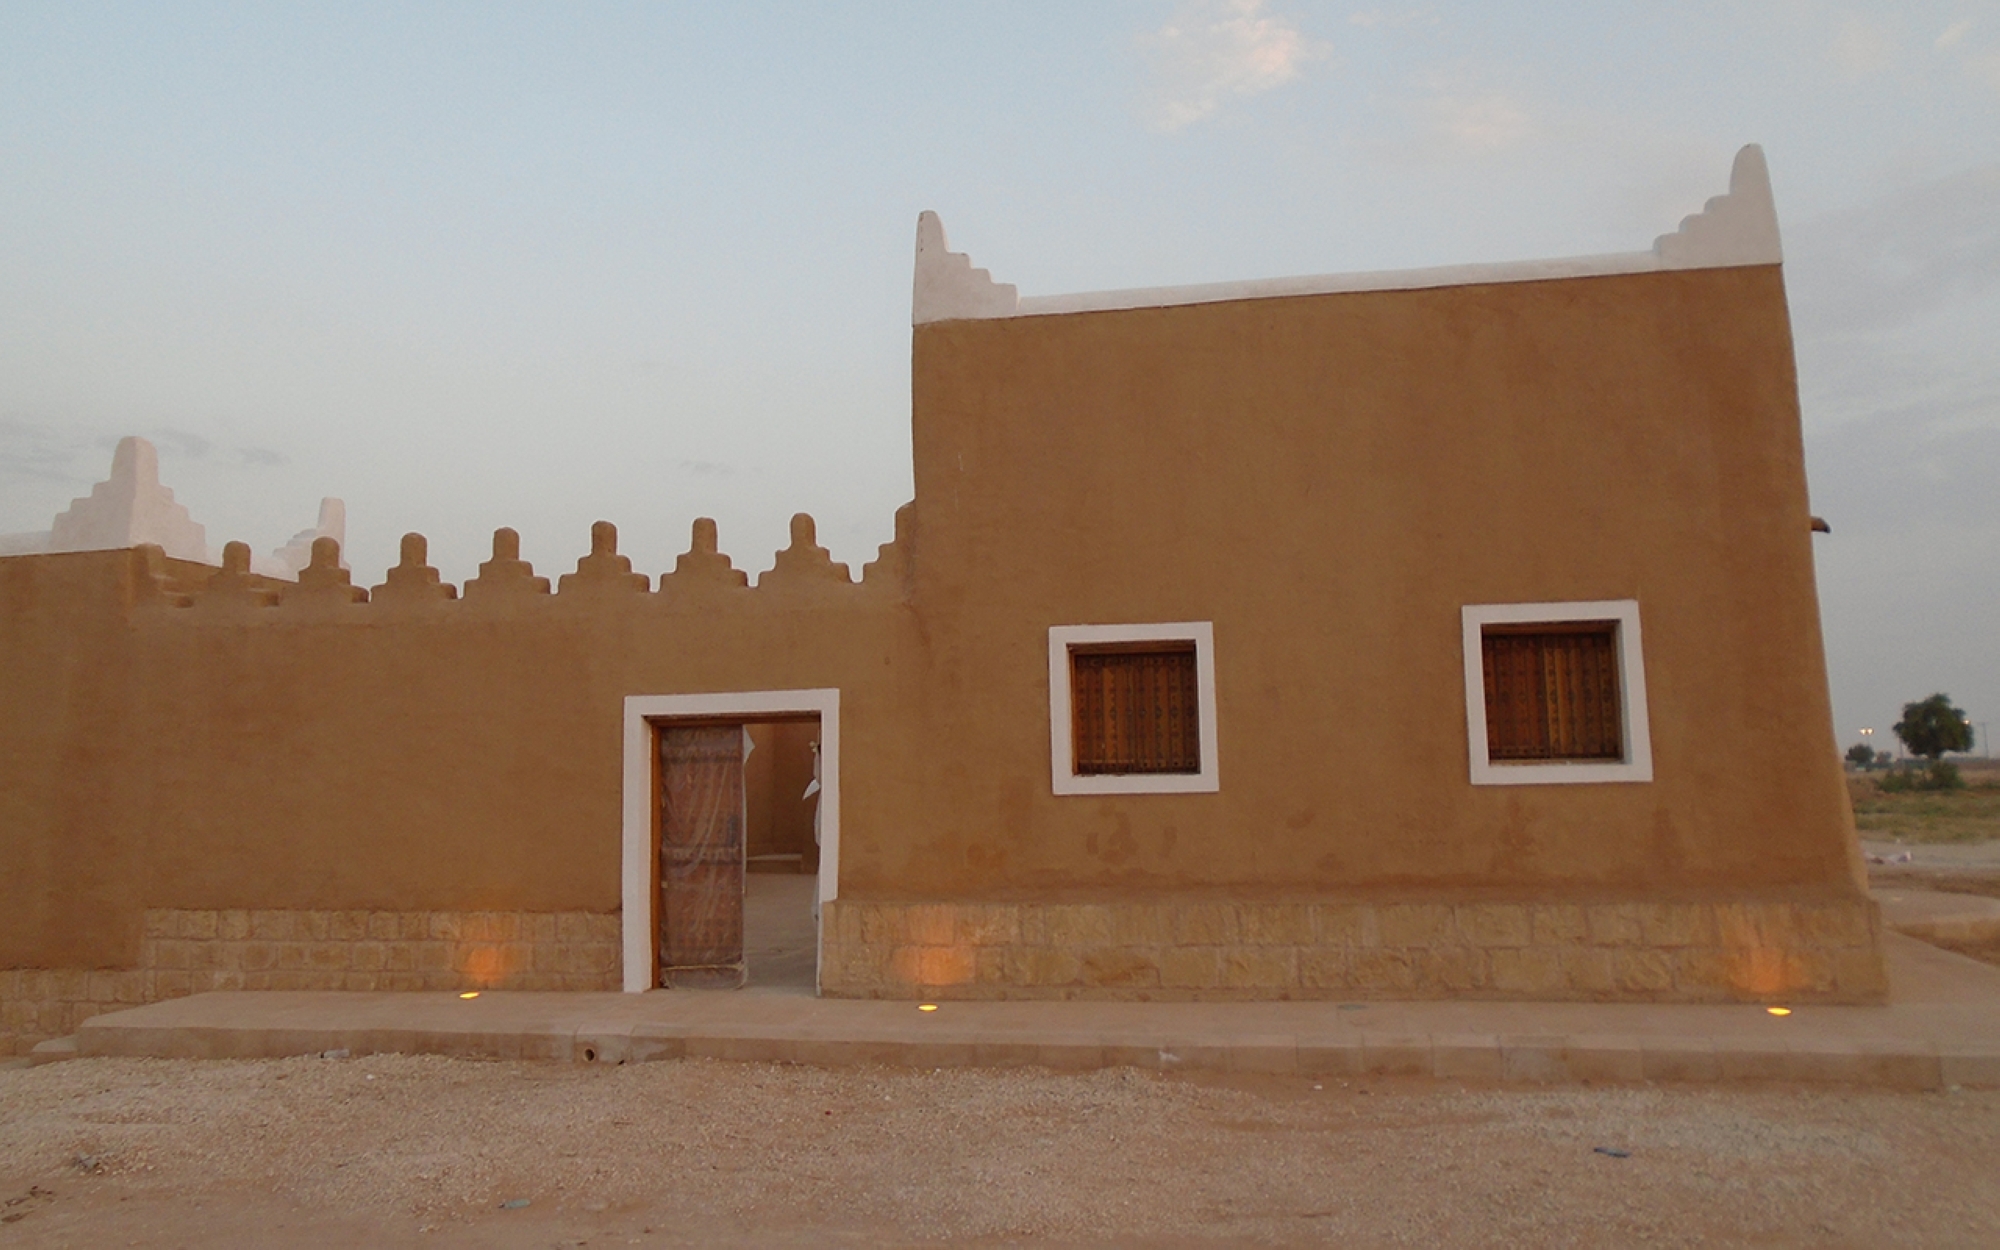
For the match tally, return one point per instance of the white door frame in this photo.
(642, 711)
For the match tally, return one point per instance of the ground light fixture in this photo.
(926, 1006)
(1778, 1011)
(470, 994)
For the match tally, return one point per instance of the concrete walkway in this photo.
(1941, 1028)
(1935, 914)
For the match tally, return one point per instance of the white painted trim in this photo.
(1739, 228)
(1339, 283)
(1062, 756)
(641, 925)
(1638, 762)
(947, 287)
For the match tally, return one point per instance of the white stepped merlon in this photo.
(130, 508)
(948, 288)
(1740, 228)
(287, 560)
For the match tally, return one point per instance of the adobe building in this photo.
(1438, 633)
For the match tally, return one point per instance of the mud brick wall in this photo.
(1822, 951)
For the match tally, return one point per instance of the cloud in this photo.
(1215, 49)
(1982, 63)
(31, 451)
(262, 457)
(181, 442)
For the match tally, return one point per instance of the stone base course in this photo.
(1941, 1029)
(192, 951)
(1824, 951)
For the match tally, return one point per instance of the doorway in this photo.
(722, 874)
(737, 852)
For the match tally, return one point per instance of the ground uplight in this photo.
(470, 994)
(926, 1006)
(1779, 1011)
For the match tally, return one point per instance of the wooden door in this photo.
(701, 856)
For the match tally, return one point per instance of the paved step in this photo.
(55, 1050)
(1941, 1028)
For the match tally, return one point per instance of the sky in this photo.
(533, 265)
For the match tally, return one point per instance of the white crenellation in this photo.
(295, 555)
(947, 287)
(1740, 228)
(129, 508)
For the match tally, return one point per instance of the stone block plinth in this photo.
(1824, 950)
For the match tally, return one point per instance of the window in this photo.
(1555, 692)
(1132, 708)
(1552, 691)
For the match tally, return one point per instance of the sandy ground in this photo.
(403, 1151)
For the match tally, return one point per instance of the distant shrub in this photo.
(1943, 775)
(1940, 775)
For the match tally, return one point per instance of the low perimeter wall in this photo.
(1825, 951)
(193, 951)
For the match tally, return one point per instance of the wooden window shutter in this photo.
(1135, 709)
(1552, 691)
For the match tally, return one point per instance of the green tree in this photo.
(1861, 755)
(1933, 726)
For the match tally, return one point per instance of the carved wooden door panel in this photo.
(701, 856)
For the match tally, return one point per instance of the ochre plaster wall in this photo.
(444, 755)
(1329, 479)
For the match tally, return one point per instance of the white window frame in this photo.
(1062, 752)
(1637, 737)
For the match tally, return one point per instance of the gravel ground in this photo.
(397, 1150)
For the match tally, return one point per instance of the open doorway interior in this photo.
(738, 853)
(781, 838)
